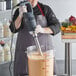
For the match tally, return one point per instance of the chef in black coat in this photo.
(47, 25)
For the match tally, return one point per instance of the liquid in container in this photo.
(40, 65)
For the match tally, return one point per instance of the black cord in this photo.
(11, 55)
(11, 62)
(12, 39)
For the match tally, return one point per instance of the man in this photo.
(47, 25)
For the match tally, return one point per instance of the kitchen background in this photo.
(63, 9)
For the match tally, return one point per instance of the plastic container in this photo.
(7, 32)
(2, 5)
(1, 54)
(1, 29)
(40, 65)
(7, 55)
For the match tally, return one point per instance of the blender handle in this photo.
(28, 4)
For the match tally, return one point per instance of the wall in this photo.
(63, 10)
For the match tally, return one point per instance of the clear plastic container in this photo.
(2, 5)
(1, 54)
(15, 2)
(7, 32)
(7, 55)
(40, 65)
(1, 30)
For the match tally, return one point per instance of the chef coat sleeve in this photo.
(52, 21)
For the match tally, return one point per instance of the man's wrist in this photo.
(20, 15)
(47, 30)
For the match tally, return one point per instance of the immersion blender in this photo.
(32, 22)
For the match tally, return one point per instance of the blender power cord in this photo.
(32, 21)
(11, 61)
(11, 55)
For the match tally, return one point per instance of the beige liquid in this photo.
(40, 65)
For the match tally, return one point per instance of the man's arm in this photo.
(12, 25)
(52, 22)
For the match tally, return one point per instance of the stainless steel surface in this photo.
(68, 60)
(37, 44)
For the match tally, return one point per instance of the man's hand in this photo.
(39, 29)
(46, 30)
(22, 9)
